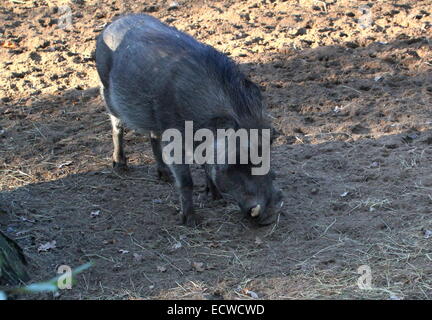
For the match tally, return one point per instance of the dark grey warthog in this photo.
(155, 78)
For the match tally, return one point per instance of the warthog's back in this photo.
(156, 77)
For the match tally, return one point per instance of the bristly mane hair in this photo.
(245, 95)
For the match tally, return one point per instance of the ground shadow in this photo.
(347, 204)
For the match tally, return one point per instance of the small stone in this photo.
(173, 5)
(35, 56)
(374, 164)
(301, 32)
(151, 9)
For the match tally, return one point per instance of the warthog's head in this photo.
(256, 195)
(247, 178)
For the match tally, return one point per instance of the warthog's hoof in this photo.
(164, 174)
(190, 220)
(119, 166)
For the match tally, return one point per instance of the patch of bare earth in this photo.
(350, 88)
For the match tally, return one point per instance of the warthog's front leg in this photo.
(212, 189)
(184, 183)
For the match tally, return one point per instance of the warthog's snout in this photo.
(265, 215)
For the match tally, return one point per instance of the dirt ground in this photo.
(348, 83)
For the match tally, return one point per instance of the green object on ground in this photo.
(12, 262)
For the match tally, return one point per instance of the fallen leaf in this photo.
(250, 293)
(214, 245)
(377, 78)
(161, 268)
(47, 246)
(211, 266)
(176, 246)
(9, 45)
(137, 257)
(198, 266)
(95, 213)
(258, 241)
(173, 5)
(64, 164)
